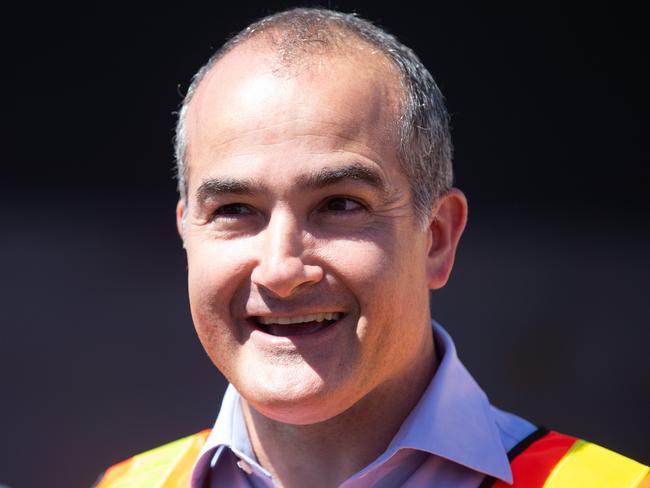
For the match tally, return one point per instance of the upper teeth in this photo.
(317, 317)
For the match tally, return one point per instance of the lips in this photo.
(296, 325)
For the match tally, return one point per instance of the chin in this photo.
(298, 412)
(301, 401)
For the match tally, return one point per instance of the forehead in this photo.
(338, 101)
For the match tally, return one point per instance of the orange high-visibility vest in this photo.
(168, 466)
(550, 460)
(542, 460)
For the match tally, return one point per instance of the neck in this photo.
(327, 453)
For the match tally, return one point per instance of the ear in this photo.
(180, 224)
(447, 223)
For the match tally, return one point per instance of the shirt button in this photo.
(245, 467)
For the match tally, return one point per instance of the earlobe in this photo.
(446, 226)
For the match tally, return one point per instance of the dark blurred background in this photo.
(549, 300)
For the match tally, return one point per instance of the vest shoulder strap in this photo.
(163, 467)
(552, 460)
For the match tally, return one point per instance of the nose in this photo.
(281, 268)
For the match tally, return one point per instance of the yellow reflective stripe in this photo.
(168, 466)
(592, 466)
(182, 471)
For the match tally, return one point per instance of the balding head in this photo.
(298, 39)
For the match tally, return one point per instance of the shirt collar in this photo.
(229, 431)
(453, 420)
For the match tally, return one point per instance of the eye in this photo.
(341, 204)
(232, 210)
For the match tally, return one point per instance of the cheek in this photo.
(357, 263)
(367, 271)
(373, 268)
(215, 273)
(388, 282)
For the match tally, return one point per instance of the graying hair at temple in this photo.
(425, 143)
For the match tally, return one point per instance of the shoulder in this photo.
(555, 460)
(171, 463)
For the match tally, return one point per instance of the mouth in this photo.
(283, 326)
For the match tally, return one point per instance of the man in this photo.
(317, 211)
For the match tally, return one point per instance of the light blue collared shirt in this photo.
(453, 438)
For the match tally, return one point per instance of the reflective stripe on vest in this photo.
(551, 460)
(168, 466)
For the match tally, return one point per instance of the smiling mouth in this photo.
(295, 326)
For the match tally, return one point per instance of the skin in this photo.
(297, 205)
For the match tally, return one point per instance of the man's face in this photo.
(307, 266)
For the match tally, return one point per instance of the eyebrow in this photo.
(213, 187)
(330, 176)
(216, 186)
